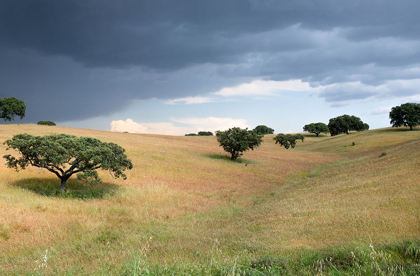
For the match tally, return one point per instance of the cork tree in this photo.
(236, 140)
(11, 107)
(65, 155)
(407, 114)
(316, 128)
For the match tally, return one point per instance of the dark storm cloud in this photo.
(173, 34)
(98, 55)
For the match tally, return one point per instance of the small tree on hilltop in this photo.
(236, 140)
(11, 107)
(65, 155)
(344, 124)
(287, 140)
(365, 126)
(205, 133)
(46, 123)
(407, 114)
(262, 129)
(316, 128)
(300, 137)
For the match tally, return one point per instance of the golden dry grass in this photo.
(189, 199)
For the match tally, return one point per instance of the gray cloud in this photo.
(100, 55)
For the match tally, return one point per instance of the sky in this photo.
(177, 67)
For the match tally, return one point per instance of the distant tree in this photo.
(11, 107)
(287, 140)
(316, 128)
(344, 124)
(262, 129)
(191, 134)
(65, 155)
(236, 140)
(365, 126)
(300, 137)
(205, 133)
(407, 114)
(46, 123)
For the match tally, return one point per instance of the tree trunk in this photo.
(63, 182)
(63, 185)
(411, 127)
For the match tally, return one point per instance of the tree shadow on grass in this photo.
(227, 158)
(311, 135)
(74, 189)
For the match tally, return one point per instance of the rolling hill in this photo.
(185, 204)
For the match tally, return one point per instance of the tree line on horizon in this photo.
(65, 155)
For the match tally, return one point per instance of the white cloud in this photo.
(212, 123)
(128, 125)
(188, 125)
(190, 100)
(263, 87)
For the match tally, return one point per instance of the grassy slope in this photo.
(186, 202)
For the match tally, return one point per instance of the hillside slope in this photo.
(184, 199)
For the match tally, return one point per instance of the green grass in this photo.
(395, 259)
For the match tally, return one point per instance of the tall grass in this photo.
(396, 259)
(293, 211)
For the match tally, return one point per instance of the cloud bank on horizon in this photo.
(97, 57)
(184, 126)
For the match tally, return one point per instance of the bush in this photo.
(205, 133)
(262, 129)
(46, 123)
(287, 140)
(200, 133)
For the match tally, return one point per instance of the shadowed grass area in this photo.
(227, 158)
(75, 189)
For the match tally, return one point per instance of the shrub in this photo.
(262, 129)
(205, 133)
(287, 140)
(46, 123)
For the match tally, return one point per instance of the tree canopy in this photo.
(288, 140)
(407, 114)
(344, 124)
(366, 126)
(262, 129)
(205, 133)
(11, 107)
(65, 155)
(316, 128)
(200, 133)
(46, 123)
(236, 140)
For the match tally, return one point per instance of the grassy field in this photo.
(187, 209)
